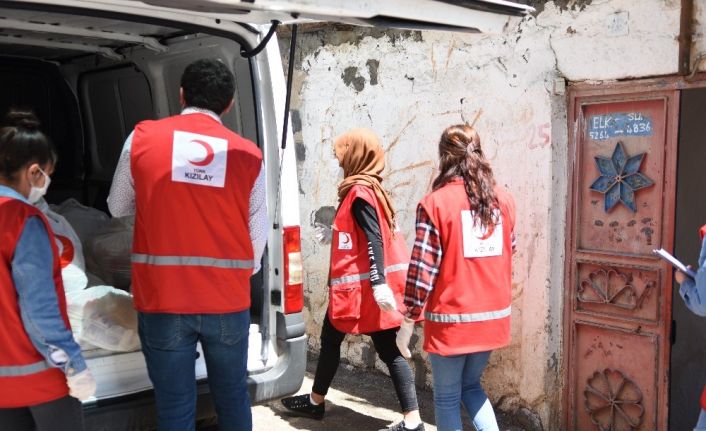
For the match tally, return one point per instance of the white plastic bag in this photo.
(75, 301)
(73, 266)
(103, 317)
(75, 279)
(110, 322)
(110, 252)
(85, 220)
(94, 280)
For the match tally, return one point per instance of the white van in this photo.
(91, 69)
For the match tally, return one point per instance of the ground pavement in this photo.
(359, 400)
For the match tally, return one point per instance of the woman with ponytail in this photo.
(461, 270)
(42, 372)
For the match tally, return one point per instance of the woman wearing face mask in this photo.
(461, 269)
(366, 279)
(42, 372)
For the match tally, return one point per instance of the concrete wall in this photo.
(408, 86)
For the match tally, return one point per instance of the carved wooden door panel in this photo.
(617, 293)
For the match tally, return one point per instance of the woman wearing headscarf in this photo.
(366, 279)
(461, 270)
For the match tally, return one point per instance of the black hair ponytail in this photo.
(23, 143)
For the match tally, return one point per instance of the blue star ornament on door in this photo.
(620, 178)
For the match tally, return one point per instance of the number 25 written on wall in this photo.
(540, 136)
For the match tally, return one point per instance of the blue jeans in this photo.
(701, 423)
(456, 381)
(169, 345)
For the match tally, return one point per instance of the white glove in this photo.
(323, 233)
(81, 385)
(404, 335)
(384, 297)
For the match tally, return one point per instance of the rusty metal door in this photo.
(617, 293)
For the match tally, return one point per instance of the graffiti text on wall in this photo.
(602, 127)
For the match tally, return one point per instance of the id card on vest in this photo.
(199, 159)
(479, 241)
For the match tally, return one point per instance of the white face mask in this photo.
(36, 193)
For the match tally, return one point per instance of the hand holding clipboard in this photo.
(664, 254)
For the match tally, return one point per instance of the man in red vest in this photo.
(198, 192)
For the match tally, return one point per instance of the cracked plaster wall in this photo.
(408, 86)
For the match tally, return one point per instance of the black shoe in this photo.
(400, 427)
(302, 406)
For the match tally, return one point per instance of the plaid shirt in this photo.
(425, 263)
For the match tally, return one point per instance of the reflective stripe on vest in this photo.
(360, 277)
(467, 317)
(192, 261)
(23, 370)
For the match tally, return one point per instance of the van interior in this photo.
(90, 79)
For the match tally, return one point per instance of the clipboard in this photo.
(664, 254)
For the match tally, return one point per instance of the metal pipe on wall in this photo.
(685, 36)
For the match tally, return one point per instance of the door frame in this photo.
(607, 92)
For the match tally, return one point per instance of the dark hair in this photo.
(208, 84)
(22, 143)
(460, 155)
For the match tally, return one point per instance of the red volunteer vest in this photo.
(469, 309)
(192, 251)
(25, 377)
(352, 308)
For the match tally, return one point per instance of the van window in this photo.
(241, 119)
(114, 101)
(38, 85)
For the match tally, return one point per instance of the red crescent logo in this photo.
(489, 233)
(209, 154)
(67, 251)
(346, 238)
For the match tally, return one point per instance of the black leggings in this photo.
(64, 414)
(384, 341)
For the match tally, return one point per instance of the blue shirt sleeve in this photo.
(694, 291)
(39, 304)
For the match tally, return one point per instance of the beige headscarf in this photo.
(363, 162)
